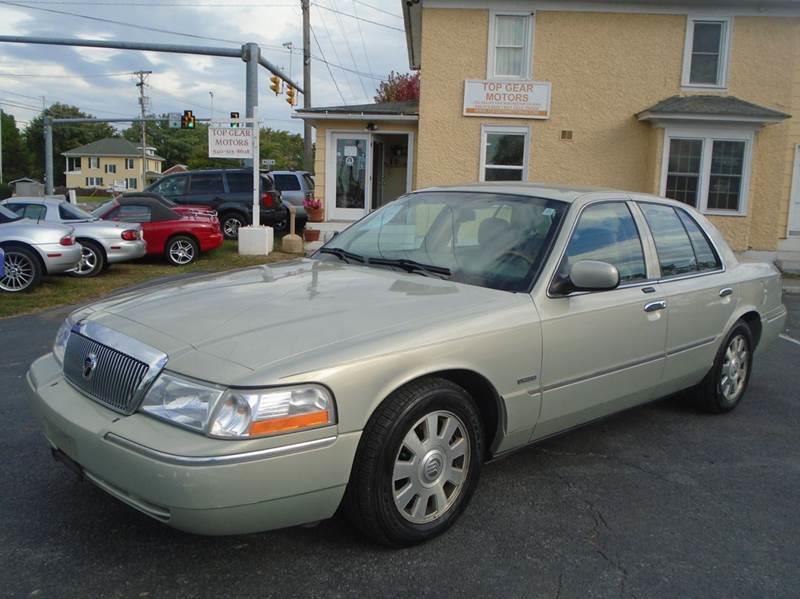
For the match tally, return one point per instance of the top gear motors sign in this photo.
(510, 99)
(230, 142)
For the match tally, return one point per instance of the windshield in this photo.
(67, 211)
(478, 238)
(6, 215)
(104, 208)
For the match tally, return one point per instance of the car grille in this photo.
(114, 377)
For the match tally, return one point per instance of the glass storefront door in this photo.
(348, 184)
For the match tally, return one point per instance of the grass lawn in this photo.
(65, 290)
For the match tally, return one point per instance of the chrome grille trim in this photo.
(125, 368)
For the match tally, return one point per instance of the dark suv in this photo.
(230, 193)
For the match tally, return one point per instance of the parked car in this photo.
(180, 208)
(178, 236)
(33, 250)
(230, 193)
(103, 242)
(446, 329)
(295, 186)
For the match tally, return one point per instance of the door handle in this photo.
(725, 292)
(655, 306)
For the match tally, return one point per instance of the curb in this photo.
(792, 289)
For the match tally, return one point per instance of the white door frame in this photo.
(331, 211)
(793, 224)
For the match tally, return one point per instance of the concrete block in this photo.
(256, 241)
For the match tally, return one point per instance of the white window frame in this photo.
(94, 162)
(528, 66)
(708, 135)
(724, 56)
(94, 181)
(111, 169)
(129, 164)
(128, 181)
(524, 131)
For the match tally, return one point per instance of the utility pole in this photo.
(212, 104)
(308, 154)
(142, 75)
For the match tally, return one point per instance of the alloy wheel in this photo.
(19, 272)
(88, 261)
(230, 227)
(431, 467)
(181, 251)
(734, 369)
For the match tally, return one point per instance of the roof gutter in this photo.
(412, 19)
(353, 116)
(717, 118)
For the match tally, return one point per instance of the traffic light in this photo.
(291, 96)
(234, 115)
(275, 85)
(187, 120)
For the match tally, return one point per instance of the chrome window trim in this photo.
(154, 359)
(219, 460)
(621, 200)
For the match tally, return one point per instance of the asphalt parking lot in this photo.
(657, 502)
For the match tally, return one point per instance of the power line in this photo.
(384, 11)
(335, 52)
(349, 47)
(165, 4)
(2, 74)
(363, 44)
(370, 21)
(335, 84)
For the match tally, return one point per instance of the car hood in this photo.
(258, 318)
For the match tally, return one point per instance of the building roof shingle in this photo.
(712, 106)
(110, 146)
(410, 108)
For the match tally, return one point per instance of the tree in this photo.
(399, 88)
(16, 160)
(65, 137)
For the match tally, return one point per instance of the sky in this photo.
(101, 83)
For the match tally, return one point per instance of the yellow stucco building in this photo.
(112, 163)
(689, 100)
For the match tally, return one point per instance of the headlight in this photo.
(257, 412)
(181, 400)
(60, 344)
(238, 413)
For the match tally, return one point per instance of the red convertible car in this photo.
(179, 236)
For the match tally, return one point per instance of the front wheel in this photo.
(22, 270)
(417, 464)
(92, 262)
(182, 250)
(724, 386)
(230, 223)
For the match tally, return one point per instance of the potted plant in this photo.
(311, 234)
(314, 209)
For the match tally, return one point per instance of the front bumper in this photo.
(59, 258)
(186, 480)
(122, 251)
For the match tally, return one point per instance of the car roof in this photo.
(159, 210)
(50, 201)
(566, 193)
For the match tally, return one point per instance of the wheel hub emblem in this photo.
(433, 467)
(89, 365)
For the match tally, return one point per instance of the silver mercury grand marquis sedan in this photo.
(103, 242)
(446, 329)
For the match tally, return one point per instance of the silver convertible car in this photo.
(446, 329)
(32, 251)
(103, 242)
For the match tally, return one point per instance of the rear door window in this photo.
(675, 252)
(206, 184)
(172, 186)
(287, 182)
(707, 258)
(608, 233)
(240, 182)
(309, 181)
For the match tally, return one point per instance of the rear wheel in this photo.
(22, 270)
(417, 464)
(182, 250)
(93, 260)
(230, 223)
(724, 386)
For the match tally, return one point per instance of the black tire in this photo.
(93, 259)
(370, 502)
(714, 393)
(23, 271)
(230, 222)
(181, 250)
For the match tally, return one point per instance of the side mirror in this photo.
(587, 275)
(329, 235)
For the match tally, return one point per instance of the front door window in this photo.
(348, 182)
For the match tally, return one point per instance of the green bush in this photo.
(5, 191)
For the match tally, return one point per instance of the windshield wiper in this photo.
(412, 266)
(343, 255)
